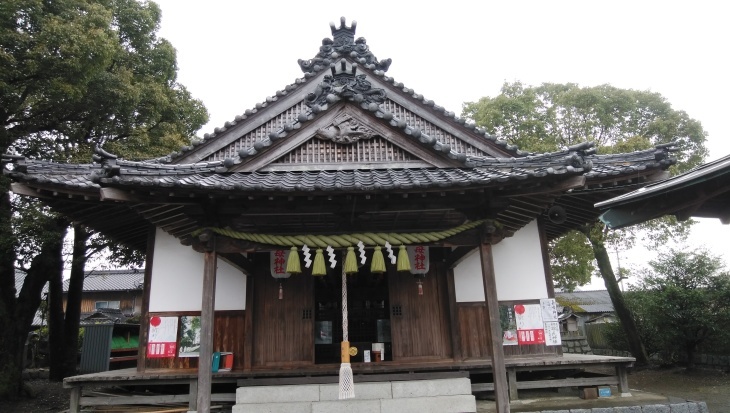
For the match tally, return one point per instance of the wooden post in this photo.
(75, 404)
(494, 329)
(512, 380)
(193, 395)
(623, 380)
(207, 313)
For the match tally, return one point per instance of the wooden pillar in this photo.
(454, 316)
(145, 319)
(494, 329)
(248, 340)
(207, 313)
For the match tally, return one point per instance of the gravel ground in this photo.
(710, 386)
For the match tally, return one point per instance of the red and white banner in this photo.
(162, 337)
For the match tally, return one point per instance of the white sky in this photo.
(233, 54)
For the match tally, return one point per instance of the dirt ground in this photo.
(710, 386)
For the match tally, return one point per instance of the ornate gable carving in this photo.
(345, 129)
(358, 154)
(345, 84)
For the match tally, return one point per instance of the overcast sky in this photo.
(233, 54)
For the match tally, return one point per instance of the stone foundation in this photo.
(417, 396)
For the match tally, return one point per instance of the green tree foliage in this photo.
(75, 74)
(683, 302)
(551, 117)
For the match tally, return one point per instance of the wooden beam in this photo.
(238, 261)
(457, 255)
(114, 194)
(558, 187)
(494, 329)
(207, 319)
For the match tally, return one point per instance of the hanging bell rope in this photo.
(346, 240)
(347, 383)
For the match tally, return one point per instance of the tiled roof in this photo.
(112, 280)
(586, 301)
(208, 176)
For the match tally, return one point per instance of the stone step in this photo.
(437, 404)
(427, 396)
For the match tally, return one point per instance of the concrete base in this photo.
(422, 396)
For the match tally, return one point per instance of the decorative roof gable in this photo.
(345, 71)
(343, 43)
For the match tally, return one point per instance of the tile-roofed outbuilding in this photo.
(586, 302)
(702, 192)
(112, 280)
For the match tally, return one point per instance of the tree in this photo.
(554, 116)
(684, 299)
(75, 74)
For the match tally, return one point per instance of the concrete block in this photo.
(655, 408)
(556, 411)
(702, 407)
(603, 410)
(629, 409)
(679, 408)
(363, 391)
(277, 394)
(301, 407)
(438, 404)
(692, 407)
(580, 411)
(429, 388)
(349, 406)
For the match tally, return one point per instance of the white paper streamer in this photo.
(361, 246)
(331, 252)
(307, 256)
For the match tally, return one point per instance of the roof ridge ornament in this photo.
(345, 84)
(343, 43)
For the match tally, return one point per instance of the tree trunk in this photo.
(50, 261)
(617, 299)
(12, 337)
(73, 302)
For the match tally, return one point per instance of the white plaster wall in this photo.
(177, 279)
(518, 268)
(468, 284)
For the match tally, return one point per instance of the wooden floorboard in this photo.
(171, 376)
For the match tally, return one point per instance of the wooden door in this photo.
(419, 323)
(283, 328)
